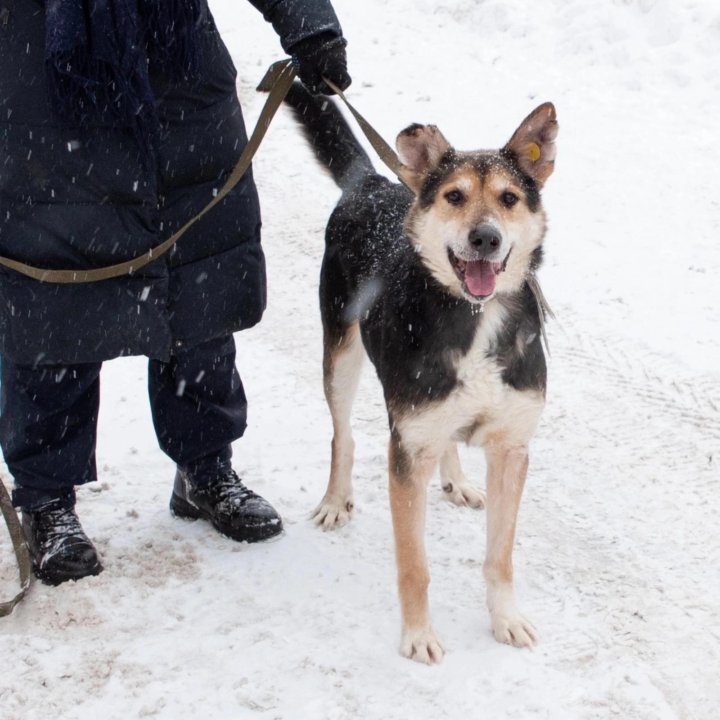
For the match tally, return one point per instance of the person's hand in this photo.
(321, 56)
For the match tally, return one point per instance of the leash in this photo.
(384, 151)
(282, 74)
(276, 82)
(22, 553)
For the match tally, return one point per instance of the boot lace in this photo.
(229, 488)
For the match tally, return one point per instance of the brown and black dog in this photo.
(434, 281)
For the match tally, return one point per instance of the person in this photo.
(119, 120)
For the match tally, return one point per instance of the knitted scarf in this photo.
(97, 54)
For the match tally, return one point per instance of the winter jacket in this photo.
(84, 198)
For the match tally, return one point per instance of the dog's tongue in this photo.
(480, 277)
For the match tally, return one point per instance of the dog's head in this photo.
(477, 220)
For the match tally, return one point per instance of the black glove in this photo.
(321, 56)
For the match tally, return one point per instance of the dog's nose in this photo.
(485, 238)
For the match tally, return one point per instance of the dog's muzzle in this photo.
(481, 261)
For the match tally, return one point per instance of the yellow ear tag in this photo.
(533, 151)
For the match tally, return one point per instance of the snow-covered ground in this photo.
(618, 551)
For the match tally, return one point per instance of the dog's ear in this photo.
(420, 147)
(533, 143)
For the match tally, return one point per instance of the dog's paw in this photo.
(422, 646)
(331, 514)
(513, 629)
(464, 495)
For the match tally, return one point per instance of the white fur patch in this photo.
(524, 238)
(481, 398)
(433, 236)
(508, 624)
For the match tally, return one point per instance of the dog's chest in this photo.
(478, 400)
(480, 388)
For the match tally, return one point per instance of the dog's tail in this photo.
(330, 137)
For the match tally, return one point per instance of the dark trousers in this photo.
(48, 418)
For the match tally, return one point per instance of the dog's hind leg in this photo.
(342, 363)
(409, 477)
(507, 470)
(455, 485)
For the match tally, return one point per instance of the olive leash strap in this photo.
(281, 75)
(22, 554)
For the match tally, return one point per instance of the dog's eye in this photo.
(454, 197)
(508, 199)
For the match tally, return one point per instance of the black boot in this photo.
(59, 547)
(233, 509)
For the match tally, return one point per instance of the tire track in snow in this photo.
(653, 379)
(631, 441)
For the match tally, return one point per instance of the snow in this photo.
(618, 553)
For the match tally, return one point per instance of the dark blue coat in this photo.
(83, 199)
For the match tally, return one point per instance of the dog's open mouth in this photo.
(477, 276)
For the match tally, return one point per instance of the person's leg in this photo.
(48, 420)
(199, 408)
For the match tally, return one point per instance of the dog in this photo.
(432, 279)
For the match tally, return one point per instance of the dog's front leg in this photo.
(409, 477)
(507, 470)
